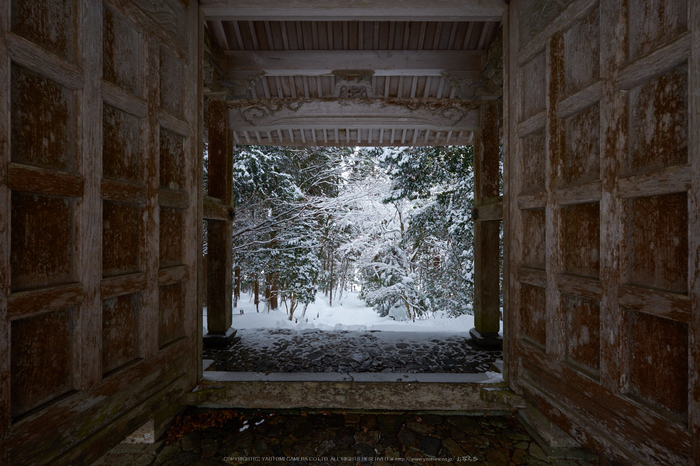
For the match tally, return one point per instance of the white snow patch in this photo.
(351, 314)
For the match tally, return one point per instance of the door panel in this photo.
(603, 257)
(98, 205)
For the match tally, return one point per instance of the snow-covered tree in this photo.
(397, 220)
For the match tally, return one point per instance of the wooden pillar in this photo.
(694, 228)
(489, 208)
(219, 255)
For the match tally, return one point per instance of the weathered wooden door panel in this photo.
(603, 190)
(98, 133)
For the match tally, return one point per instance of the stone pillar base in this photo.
(486, 340)
(219, 340)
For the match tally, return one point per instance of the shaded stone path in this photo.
(334, 439)
(285, 350)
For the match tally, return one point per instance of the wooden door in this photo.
(604, 222)
(99, 113)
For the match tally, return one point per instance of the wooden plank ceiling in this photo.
(332, 74)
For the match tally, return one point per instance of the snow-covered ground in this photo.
(350, 313)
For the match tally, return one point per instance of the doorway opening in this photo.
(353, 260)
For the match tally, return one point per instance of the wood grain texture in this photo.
(580, 193)
(581, 428)
(554, 228)
(122, 284)
(659, 303)
(613, 143)
(694, 236)
(219, 253)
(655, 63)
(191, 251)
(382, 63)
(171, 198)
(35, 302)
(216, 210)
(579, 101)
(581, 239)
(585, 398)
(132, 387)
(576, 285)
(532, 124)
(119, 191)
(159, 32)
(509, 204)
(319, 10)
(174, 124)
(193, 152)
(573, 12)
(512, 187)
(199, 200)
(26, 178)
(353, 114)
(120, 238)
(37, 59)
(150, 214)
(218, 160)
(5, 232)
(665, 181)
(531, 201)
(486, 235)
(88, 339)
(124, 100)
(170, 275)
(491, 211)
(532, 276)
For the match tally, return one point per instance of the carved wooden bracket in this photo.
(353, 84)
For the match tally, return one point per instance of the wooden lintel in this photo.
(324, 62)
(341, 10)
(289, 114)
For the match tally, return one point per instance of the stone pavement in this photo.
(227, 437)
(285, 350)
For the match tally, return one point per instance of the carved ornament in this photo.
(263, 108)
(353, 84)
(264, 112)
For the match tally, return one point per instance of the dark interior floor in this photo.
(284, 350)
(225, 437)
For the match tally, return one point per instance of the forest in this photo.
(393, 223)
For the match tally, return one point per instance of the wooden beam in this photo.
(464, 139)
(324, 62)
(433, 114)
(342, 10)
